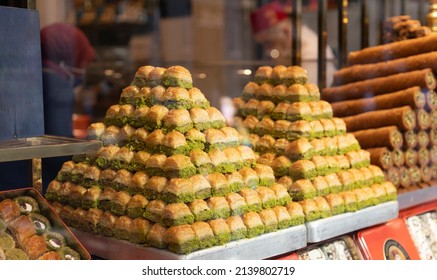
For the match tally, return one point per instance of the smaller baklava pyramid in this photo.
(171, 173)
(312, 155)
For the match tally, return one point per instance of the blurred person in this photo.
(272, 28)
(65, 53)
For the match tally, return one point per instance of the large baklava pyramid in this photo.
(312, 155)
(171, 174)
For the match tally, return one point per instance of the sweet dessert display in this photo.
(403, 27)
(27, 234)
(423, 231)
(342, 248)
(171, 174)
(386, 97)
(310, 152)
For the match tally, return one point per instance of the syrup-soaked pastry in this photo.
(247, 155)
(138, 139)
(280, 146)
(299, 149)
(7, 242)
(178, 166)
(234, 158)
(297, 93)
(90, 198)
(181, 239)
(303, 169)
(310, 209)
(175, 98)
(178, 190)
(237, 227)
(302, 189)
(154, 210)
(106, 224)
(50, 255)
(299, 111)
(294, 75)
(16, 254)
(22, 228)
(221, 231)
(154, 186)
(264, 92)
(220, 161)
(177, 119)
(296, 213)
(128, 94)
(336, 203)
(253, 223)
(219, 184)
(200, 210)
(154, 117)
(277, 74)
(201, 186)
(176, 214)
(235, 181)
(138, 183)
(204, 234)
(283, 217)
(141, 76)
(198, 99)
(122, 180)
(122, 159)
(155, 236)
(91, 219)
(200, 119)
(267, 196)
(177, 76)
(154, 140)
(236, 203)
(95, 130)
(155, 165)
(253, 201)
(138, 162)
(34, 246)
(263, 74)
(105, 198)
(279, 93)
(281, 166)
(322, 204)
(9, 210)
(250, 177)
(136, 206)
(195, 139)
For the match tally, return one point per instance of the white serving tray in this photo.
(261, 247)
(327, 228)
(414, 198)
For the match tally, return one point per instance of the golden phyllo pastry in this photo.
(250, 177)
(111, 136)
(247, 155)
(350, 201)
(197, 98)
(249, 91)
(178, 166)
(119, 203)
(128, 94)
(201, 186)
(200, 210)
(253, 223)
(219, 206)
(235, 181)
(90, 199)
(138, 139)
(137, 183)
(201, 161)
(265, 126)
(176, 98)
(34, 246)
(154, 140)
(277, 74)
(200, 118)
(295, 210)
(220, 161)
(176, 214)
(155, 165)
(154, 117)
(294, 75)
(313, 90)
(177, 76)
(122, 180)
(303, 169)
(155, 237)
(154, 186)
(299, 149)
(154, 210)
(177, 119)
(76, 196)
(195, 139)
(106, 224)
(136, 206)
(297, 93)
(204, 234)
(268, 217)
(121, 228)
(219, 184)
(323, 205)
(138, 230)
(237, 227)
(154, 78)
(181, 239)
(234, 158)
(105, 156)
(178, 190)
(310, 209)
(267, 196)
(253, 201)
(336, 203)
(280, 111)
(141, 76)
(264, 92)
(122, 159)
(95, 130)
(22, 228)
(283, 217)
(236, 203)
(9, 210)
(221, 231)
(302, 189)
(262, 74)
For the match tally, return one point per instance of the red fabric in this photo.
(267, 16)
(62, 42)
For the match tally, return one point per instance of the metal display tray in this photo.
(327, 228)
(260, 247)
(57, 224)
(417, 197)
(45, 146)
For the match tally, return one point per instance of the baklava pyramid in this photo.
(171, 174)
(312, 155)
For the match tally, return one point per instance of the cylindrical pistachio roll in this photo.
(423, 138)
(431, 100)
(426, 173)
(394, 50)
(423, 119)
(402, 117)
(412, 96)
(411, 157)
(392, 175)
(388, 136)
(405, 177)
(369, 71)
(377, 86)
(381, 157)
(410, 139)
(415, 175)
(398, 157)
(424, 156)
